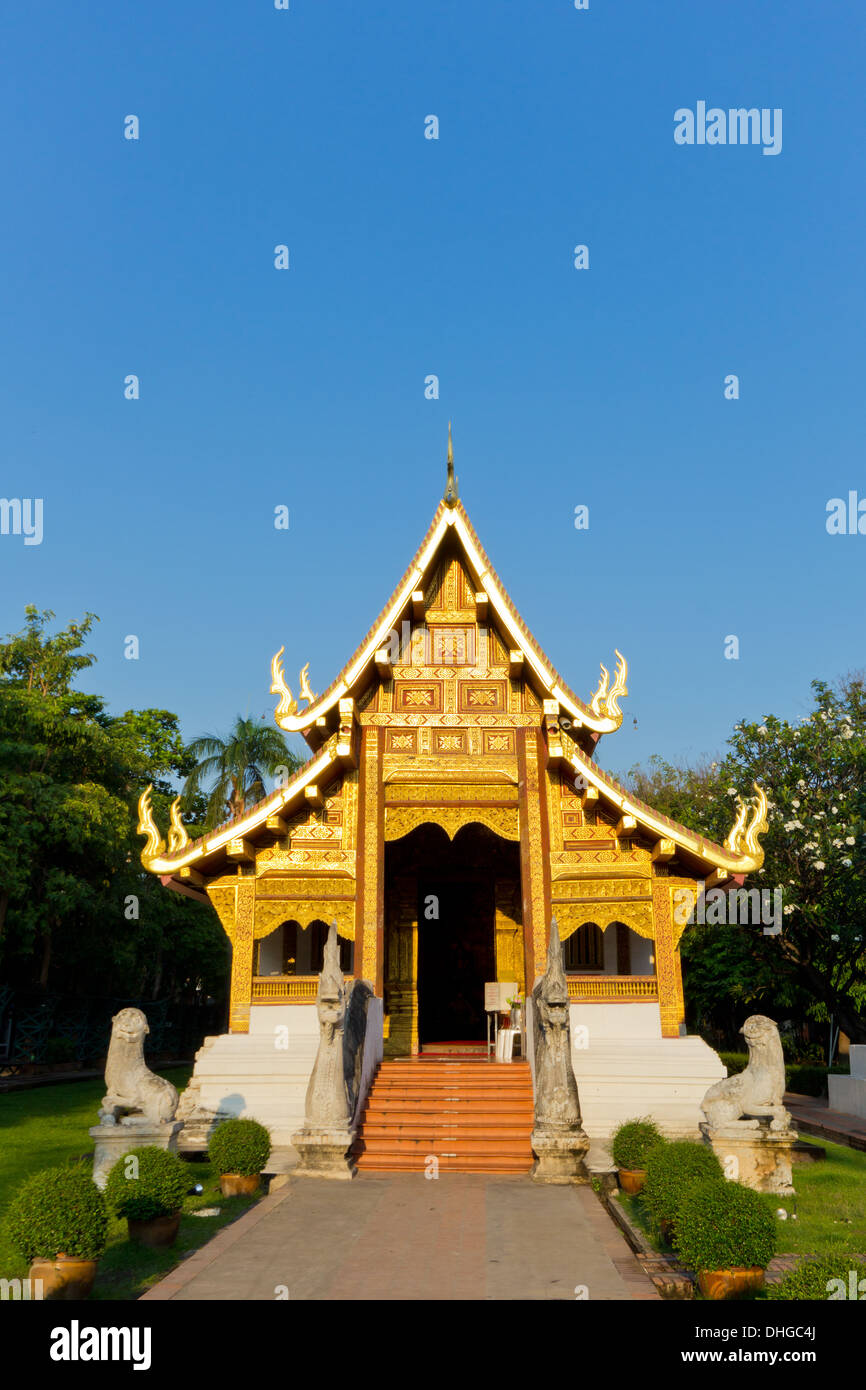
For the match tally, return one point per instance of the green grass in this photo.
(830, 1207)
(46, 1128)
(638, 1213)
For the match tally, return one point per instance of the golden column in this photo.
(668, 970)
(242, 954)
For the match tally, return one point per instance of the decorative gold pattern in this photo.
(502, 820)
(271, 912)
(223, 897)
(446, 792)
(613, 989)
(372, 854)
(290, 989)
(509, 933)
(570, 915)
(667, 962)
(242, 957)
(401, 967)
(585, 889)
(534, 889)
(397, 743)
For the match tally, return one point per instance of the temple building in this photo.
(451, 805)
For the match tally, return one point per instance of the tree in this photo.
(43, 664)
(814, 773)
(237, 766)
(76, 907)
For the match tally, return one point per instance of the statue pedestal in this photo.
(560, 1156)
(762, 1157)
(112, 1141)
(324, 1154)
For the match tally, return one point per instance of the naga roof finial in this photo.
(451, 493)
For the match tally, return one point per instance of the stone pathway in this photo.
(403, 1237)
(813, 1116)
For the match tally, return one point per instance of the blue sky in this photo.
(409, 257)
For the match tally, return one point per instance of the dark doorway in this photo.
(440, 932)
(456, 956)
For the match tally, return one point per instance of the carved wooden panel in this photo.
(451, 645)
(450, 741)
(401, 966)
(414, 697)
(401, 741)
(482, 697)
(498, 741)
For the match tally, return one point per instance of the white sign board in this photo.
(497, 994)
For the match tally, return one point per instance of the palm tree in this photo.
(237, 766)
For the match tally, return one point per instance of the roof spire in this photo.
(451, 494)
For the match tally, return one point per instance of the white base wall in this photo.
(262, 1075)
(847, 1094)
(626, 1070)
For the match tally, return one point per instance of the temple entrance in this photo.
(452, 923)
(456, 955)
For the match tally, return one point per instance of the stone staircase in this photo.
(472, 1115)
(261, 1074)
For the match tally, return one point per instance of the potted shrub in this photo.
(239, 1150)
(148, 1186)
(671, 1172)
(727, 1234)
(632, 1144)
(58, 1220)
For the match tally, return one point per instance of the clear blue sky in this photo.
(409, 257)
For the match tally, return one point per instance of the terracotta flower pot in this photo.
(718, 1284)
(631, 1179)
(65, 1277)
(239, 1184)
(157, 1233)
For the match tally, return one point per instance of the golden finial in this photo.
(147, 826)
(288, 704)
(451, 493)
(306, 692)
(178, 835)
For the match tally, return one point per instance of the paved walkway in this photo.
(812, 1115)
(403, 1237)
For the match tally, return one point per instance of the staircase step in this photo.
(426, 1144)
(490, 1112)
(471, 1114)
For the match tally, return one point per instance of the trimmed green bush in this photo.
(811, 1278)
(723, 1225)
(735, 1061)
(239, 1146)
(60, 1211)
(633, 1141)
(809, 1080)
(146, 1183)
(672, 1171)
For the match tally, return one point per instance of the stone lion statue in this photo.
(130, 1085)
(739, 1101)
